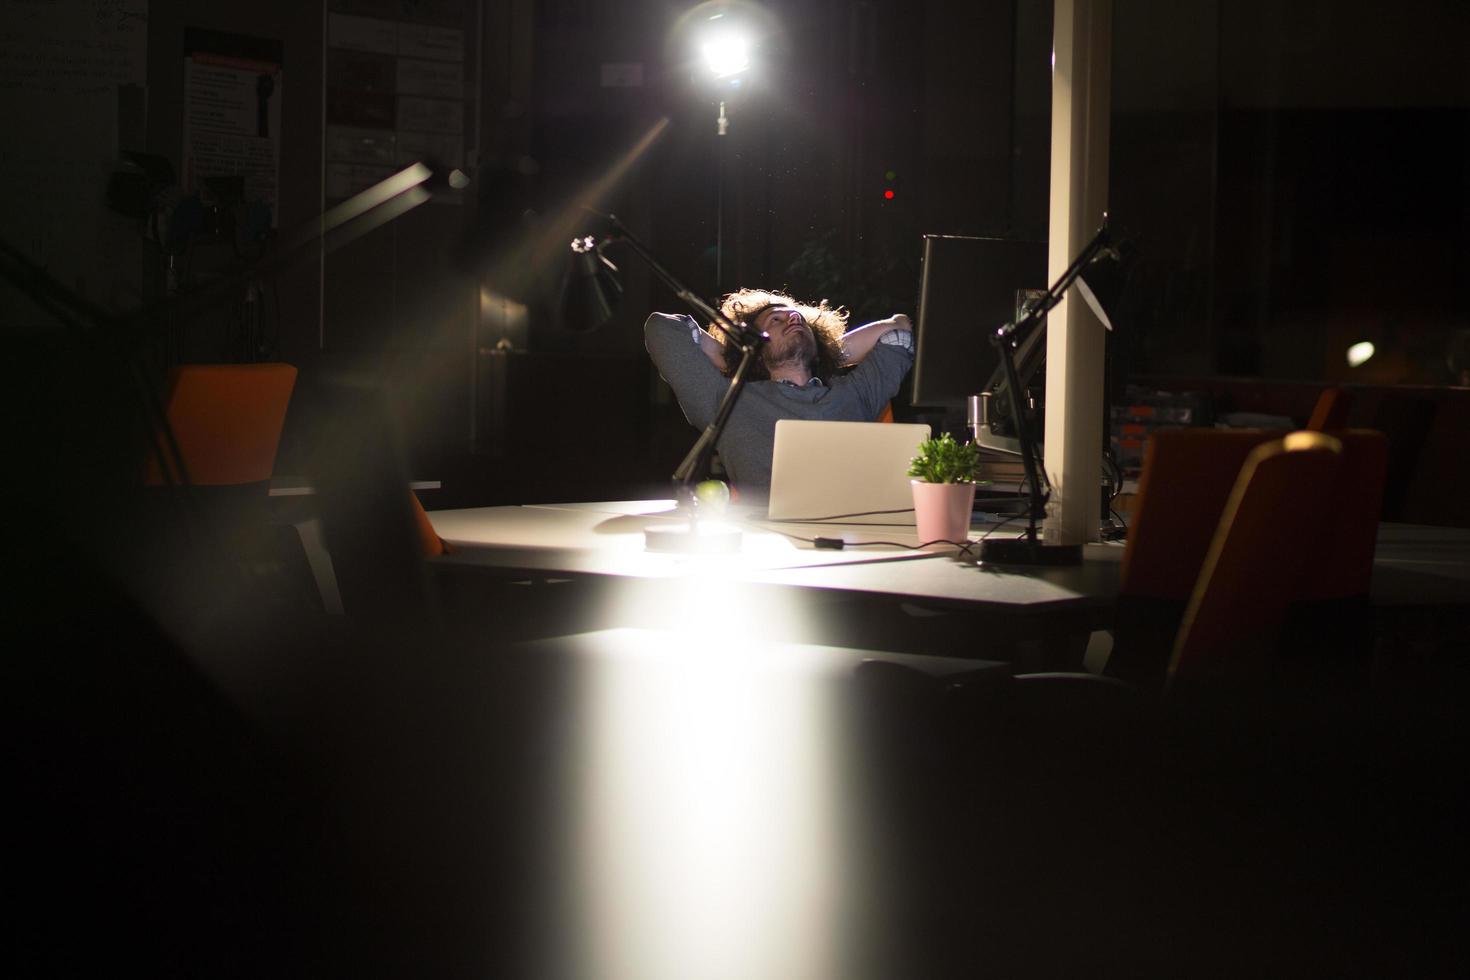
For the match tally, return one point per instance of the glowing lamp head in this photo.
(726, 52)
(1359, 353)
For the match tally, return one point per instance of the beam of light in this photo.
(550, 239)
(708, 843)
(438, 316)
(620, 167)
(1358, 354)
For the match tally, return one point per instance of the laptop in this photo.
(843, 472)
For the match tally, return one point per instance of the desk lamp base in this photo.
(1025, 551)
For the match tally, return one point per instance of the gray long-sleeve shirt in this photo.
(749, 437)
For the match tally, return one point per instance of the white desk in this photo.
(607, 539)
(896, 595)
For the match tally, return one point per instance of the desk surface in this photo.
(606, 539)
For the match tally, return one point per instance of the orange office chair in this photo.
(226, 420)
(1186, 479)
(1188, 474)
(1330, 626)
(886, 415)
(1265, 541)
(1331, 412)
(1351, 529)
(1268, 537)
(429, 541)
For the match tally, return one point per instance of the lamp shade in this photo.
(1101, 284)
(591, 289)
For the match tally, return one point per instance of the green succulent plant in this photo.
(943, 460)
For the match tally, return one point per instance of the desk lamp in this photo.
(127, 334)
(1096, 274)
(591, 292)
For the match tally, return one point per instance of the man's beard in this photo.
(801, 351)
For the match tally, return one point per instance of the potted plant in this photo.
(944, 488)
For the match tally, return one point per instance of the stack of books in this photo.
(1003, 471)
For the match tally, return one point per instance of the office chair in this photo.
(1186, 478)
(226, 421)
(1269, 536)
(1330, 624)
(1331, 411)
(1266, 539)
(371, 527)
(429, 541)
(1345, 568)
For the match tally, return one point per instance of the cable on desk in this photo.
(1115, 532)
(837, 544)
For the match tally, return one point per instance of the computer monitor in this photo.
(968, 289)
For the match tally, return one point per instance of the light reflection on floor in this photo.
(707, 839)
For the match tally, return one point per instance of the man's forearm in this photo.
(713, 349)
(858, 342)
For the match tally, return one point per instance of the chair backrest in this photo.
(1268, 535)
(368, 519)
(1344, 560)
(1331, 411)
(226, 420)
(887, 414)
(1186, 479)
(429, 540)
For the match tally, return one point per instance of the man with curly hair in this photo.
(808, 369)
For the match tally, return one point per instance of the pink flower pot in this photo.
(942, 510)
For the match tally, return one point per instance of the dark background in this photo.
(1295, 178)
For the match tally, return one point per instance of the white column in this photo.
(1080, 99)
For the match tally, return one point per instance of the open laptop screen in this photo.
(843, 472)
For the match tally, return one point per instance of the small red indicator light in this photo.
(887, 195)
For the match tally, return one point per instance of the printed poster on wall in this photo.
(395, 95)
(232, 124)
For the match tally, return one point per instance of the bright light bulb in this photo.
(726, 54)
(1359, 353)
